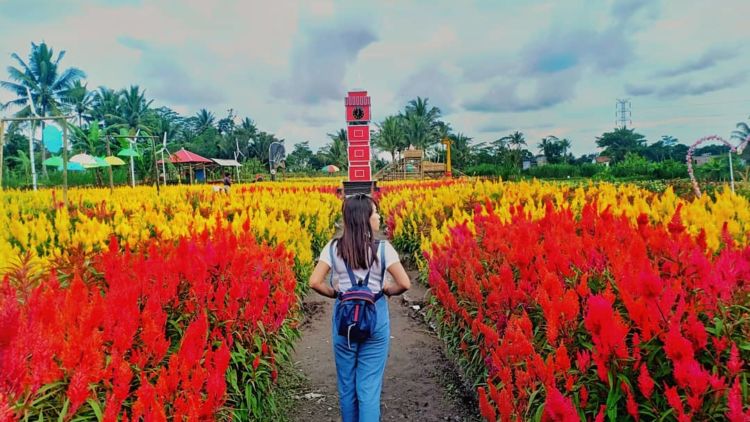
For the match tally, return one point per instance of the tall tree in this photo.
(554, 149)
(420, 123)
(515, 141)
(742, 132)
(619, 142)
(203, 120)
(41, 79)
(300, 158)
(79, 100)
(390, 136)
(104, 106)
(260, 145)
(335, 152)
(132, 110)
(461, 150)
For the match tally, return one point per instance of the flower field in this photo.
(559, 301)
(586, 303)
(136, 306)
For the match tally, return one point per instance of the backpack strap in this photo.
(333, 264)
(353, 278)
(382, 263)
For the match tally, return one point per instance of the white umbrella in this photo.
(84, 160)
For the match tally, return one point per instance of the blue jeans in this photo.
(360, 369)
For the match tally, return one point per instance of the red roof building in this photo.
(184, 156)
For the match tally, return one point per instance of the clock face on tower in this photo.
(358, 113)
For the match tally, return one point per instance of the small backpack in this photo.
(355, 311)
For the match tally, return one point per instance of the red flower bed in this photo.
(570, 319)
(170, 332)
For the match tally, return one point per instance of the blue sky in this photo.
(541, 67)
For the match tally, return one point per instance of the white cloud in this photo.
(543, 67)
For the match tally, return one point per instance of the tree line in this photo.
(54, 90)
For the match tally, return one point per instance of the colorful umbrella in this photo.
(84, 159)
(101, 162)
(128, 152)
(53, 161)
(72, 166)
(330, 169)
(114, 161)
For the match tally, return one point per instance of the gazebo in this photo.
(184, 158)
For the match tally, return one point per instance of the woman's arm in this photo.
(400, 283)
(318, 283)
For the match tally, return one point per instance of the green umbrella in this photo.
(73, 166)
(128, 152)
(53, 161)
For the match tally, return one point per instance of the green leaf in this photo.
(612, 398)
(64, 411)
(96, 408)
(47, 390)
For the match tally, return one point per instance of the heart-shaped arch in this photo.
(737, 150)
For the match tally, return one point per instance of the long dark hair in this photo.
(358, 235)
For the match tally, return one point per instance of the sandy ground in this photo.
(420, 383)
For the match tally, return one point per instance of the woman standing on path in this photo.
(359, 263)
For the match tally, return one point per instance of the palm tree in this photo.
(243, 138)
(742, 132)
(104, 106)
(515, 141)
(79, 100)
(203, 120)
(420, 107)
(546, 144)
(460, 149)
(132, 110)
(248, 124)
(42, 81)
(336, 153)
(420, 123)
(260, 144)
(390, 136)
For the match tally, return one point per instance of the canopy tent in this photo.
(226, 163)
(189, 159)
(229, 163)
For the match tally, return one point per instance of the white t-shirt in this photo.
(341, 280)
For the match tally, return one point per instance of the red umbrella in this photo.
(330, 169)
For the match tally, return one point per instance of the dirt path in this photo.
(417, 378)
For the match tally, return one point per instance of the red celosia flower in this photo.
(78, 391)
(558, 408)
(601, 414)
(674, 400)
(734, 365)
(485, 408)
(645, 382)
(676, 346)
(734, 404)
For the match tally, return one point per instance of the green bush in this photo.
(487, 169)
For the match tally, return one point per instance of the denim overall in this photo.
(360, 366)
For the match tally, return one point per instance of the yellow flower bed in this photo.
(298, 215)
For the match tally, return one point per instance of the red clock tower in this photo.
(357, 105)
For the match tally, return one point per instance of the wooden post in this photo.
(65, 163)
(2, 148)
(109, 153)
(156, 166)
